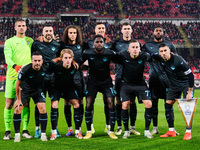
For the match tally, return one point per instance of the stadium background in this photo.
(179, 18)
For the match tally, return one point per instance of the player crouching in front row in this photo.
(29, 85)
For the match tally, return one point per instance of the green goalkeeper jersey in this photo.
(17, 51)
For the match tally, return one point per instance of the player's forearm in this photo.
(190, 89)
(18, 93)
(191, 80)
(8, 56)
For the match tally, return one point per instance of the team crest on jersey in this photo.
(53, 48)
(151, 47)
(72, 72)
(4, 47)
(91, 58)
(139, 61)
(162, 63)
(20, 76)
(172, 67)
(127, 61)
(105, 59)
(40, 47)
(78, 46)
(43, 74)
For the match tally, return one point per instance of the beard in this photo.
(48, 37)
(37, 67)
(99, 49)
(158, 38)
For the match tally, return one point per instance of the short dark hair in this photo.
(163, 45)
(19, 20)
(126, 24)
(47, 25)
(159, 26)
(134, 41)
(98, 23)
(36, 53)
(98, 36)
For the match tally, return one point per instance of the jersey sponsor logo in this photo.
(173, 67)
(53, 48)
(105, 59)
(106, 46)
(151, 47)
(92, 58)
(188, 72)
(41, 47)
(30, 76)
(139, 61)
(120, 45)
(43, 74)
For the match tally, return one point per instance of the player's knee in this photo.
(18, 110)
(42, 108)
(89, 106)
(118, 101)
(54, 104)
(9, 104)
(147, 103)
(125, 105)
(76, 105)
(170, 102)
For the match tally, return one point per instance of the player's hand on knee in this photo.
(17, 105)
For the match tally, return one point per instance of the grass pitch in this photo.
(100, 140)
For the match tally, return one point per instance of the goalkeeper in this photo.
(17, 51)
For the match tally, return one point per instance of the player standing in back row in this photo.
(158, 81)
(17, 51)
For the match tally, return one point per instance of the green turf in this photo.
(100, 139)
